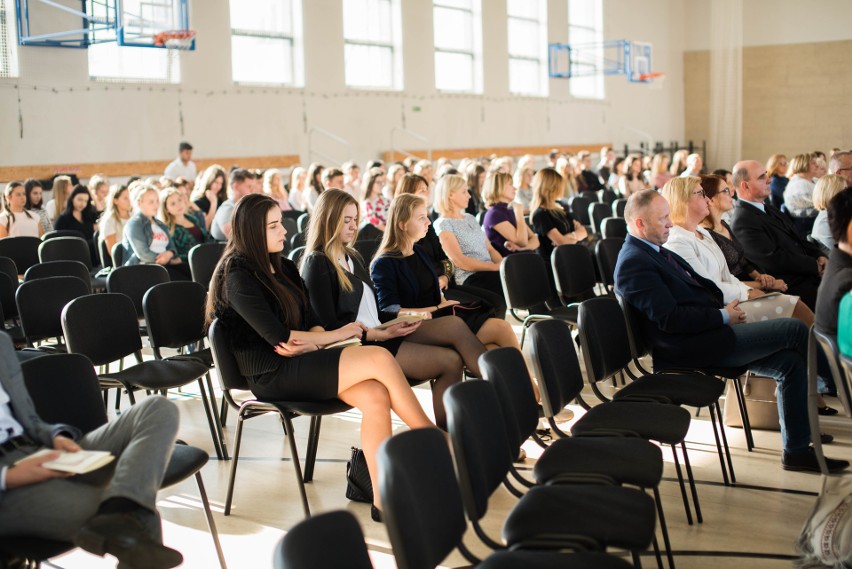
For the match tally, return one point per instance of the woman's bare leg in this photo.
(451, 332)
(499, 333)
(803, 313)
(443, 365)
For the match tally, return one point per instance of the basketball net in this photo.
(174, 41)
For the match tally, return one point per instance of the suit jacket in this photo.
(682, 315)
(334, 306)
(396, 284)
(836, 282)
(772, 242)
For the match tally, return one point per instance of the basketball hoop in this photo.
(175, 39)
(651, 76)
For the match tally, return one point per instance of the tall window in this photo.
(373, 43)
(585, 28)
(266, 42)
(112, 62)
(458, 45)
(528, 47)
(8, 40)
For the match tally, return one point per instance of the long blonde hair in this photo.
(277, 192)
(492, 188)
(444, 188)
(165, 216)
(61, 187)
(547, 185)
(678, 192)
(324, 227)
(400, 212)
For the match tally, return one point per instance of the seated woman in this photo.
(274, 188)
(209, 193)
(475, 174)
(374, 204)
(523, 181)
(277, 339)
(15, 219)
(146, 238)
(502, 229)
(80, 215)
(99, 186)
(116, 215)
(477, 263)
(404, 278)
(799, 193)
(826, 188)
(776, 169)
(35, 203)
(61, 188)
(342, 292)
(185, 229)
(633, 179)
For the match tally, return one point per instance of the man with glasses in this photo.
(769, 237)
(841, 164)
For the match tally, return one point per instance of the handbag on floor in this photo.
(359, 487)
(826, 538)
(761, 404)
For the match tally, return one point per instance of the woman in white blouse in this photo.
(799, 193)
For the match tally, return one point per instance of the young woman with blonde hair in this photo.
(799, 194)
(298, 177)
(274, 188)
(56, 205)
(115, 216)
(826, 188)
(185, 228)
(99, 187)
(776, 169)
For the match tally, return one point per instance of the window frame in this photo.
(293, 38)
(594, 30)
(394, 45)
(475, 52)
(9, 64)
(542, 61)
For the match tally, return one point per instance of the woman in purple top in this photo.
(504, 232)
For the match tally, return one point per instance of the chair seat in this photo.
(654, 421)
(159, 374)
(552, 560)
(204, 356)
(33, 547)
(186, 460)
(329, 407)
(610, 515)
(626, 460)
(695, 390)
(726, 372)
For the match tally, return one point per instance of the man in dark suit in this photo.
(107, 511)
(770, 238)
(837, 280)
(690, 327)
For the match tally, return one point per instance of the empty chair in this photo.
(203, 259)
(580, 209)
(306, 545)
(8, 268)
(597, 213)
(134, 281)
(614, 228)
(296, 254)
(60, 269)
(419, 490)
(607, 196)
(302, 222)
(9, 309)
(61, 233)
(71, 249)
(103, 254)
(606, 253)
(573, 271)
(117, 254)
(290, 225)
(40, 303)
(618, 207)
(367, 249)
(23, 250)
(589, 195)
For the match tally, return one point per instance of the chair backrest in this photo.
(103, 254)
(62, 233)
(573, 270)
(23, 250)
(590, 195)
(174, 313)
(607, 196)
(296, 255)
(290, 225)
(40, 303)
(639, 345)
(618, 207)
(422, 504)
(580, 209)
(298, 240)
(7, 296)
(606, 252)
(65, 249)
(524, 279)
(597, 213)
(226, 366)
(480, 442)
(7, 266)
(134, 281)
(203, 259)
(829, 346)
(603, 337)
(102, 327)
(302, 222)
(59, 269)
(331, 540)
(117, 254)
(507, 370)
(64, 389)
(614, 227)
(555, 364)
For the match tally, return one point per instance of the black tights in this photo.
(451, 332)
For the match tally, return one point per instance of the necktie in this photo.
(671, 261)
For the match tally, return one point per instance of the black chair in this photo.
(134, 281)
(174, 312)
(118, 254)
(23, 250)
(294, 214)
(40, 303)
(64, 389)
(526, 287)
(60, 269)
(580, 209)
(574, 272)
(103, 254)
(302, 222)
(369, 232)
(7, 266)
(62, 233)
(419, 490)
(33, 550)
(306, 545)
(203, 259)
(620, 460)
(602, 515)
(614, 228)
(367, 248)
(606, 253)
(290, 225)
(8, 288)
(296, 255)
(71, 249)
(230, 380)
(607, 196)
(559, 369)
(590, 195)
(298, 240)
(618, 207)
(597, 213)
(828, 344)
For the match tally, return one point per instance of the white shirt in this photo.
(160, 242)
(25, 223)
(706, 259)
(109, 225)
(9, 426)
(799, 197)
(368, 311)
(178, 169)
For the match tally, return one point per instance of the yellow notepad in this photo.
(408, 318)
(353, 341)
(79, 462)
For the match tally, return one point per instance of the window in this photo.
(458, 45)
(266, 42)
(372, 43)
(585, 27)
(112, 62)
(8, 40)
(528, 47)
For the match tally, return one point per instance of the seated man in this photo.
(770, 239)
(689, 327)
(837, 280)
(116, 516)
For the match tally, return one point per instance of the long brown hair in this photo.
(400, 212)
(547, 186)
(324, 232)
(248, 243)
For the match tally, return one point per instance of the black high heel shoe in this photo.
(827, 411)
(375, 514)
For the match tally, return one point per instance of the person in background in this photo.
(56, 205)
(374, 204)
(566, 168)
(776, 167)
(504, 222)
(80, 215)
(352, 179)
(475, 175)
(182, 166)
(35, 203)
(99, 186)
(146, 238)
(298, 177)
(313, 186)
(523, 182)
(210, 191)
(116, 216)
(841, 164)
(693, 165)
(332, 178)
(274, 188)
(678, 162)
(15, 220)
(604, 167)
(837, 280)
(185, 229)
(660, 170)
(424, 169)
(587, 180)
(241, 184)
(826, 188)
(633, 180)
(799, 195)
(395, 173)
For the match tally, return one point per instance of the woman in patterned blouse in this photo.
(374, 204)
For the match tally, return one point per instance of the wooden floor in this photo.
(753, 524)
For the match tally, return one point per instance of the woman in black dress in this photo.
(80, 215)
(278, 341)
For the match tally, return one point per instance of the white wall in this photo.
(100, 122)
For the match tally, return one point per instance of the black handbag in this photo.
(359, 487)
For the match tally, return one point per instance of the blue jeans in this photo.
(778, 349)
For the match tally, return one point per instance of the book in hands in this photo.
(404, 319)
(80, 462)
(353, 341)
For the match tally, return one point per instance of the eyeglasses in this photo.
(699, 193)
(726, 191)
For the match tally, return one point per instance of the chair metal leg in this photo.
(313, 445)
(725, 443)
(718, 445)
(223, 412)
(213, 430)
(222, 441)
(211, 523)
(692, 487)
(741, 401)
(657, 552)
(637, 561)
(682, 486)
(663, 527)
(237, 439)
(523, 334)
(294, 455)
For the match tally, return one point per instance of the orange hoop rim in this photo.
(652, 75)
(174, 38)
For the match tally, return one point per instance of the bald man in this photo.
(769, 237)
(690, 327)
